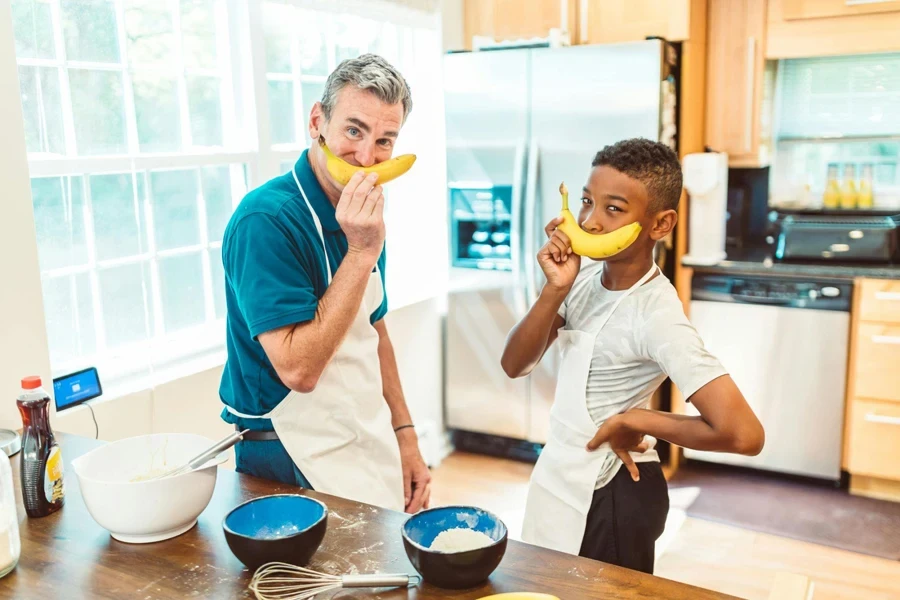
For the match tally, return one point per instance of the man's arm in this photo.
(726, 424)
(301, 352)
(416, 476)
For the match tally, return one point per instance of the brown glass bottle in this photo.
(43, 491)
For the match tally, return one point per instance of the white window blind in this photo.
(841, 96)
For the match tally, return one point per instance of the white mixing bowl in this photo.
(140, 512)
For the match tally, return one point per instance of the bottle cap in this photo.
(31, 383)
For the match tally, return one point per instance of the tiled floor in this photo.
(720, 557)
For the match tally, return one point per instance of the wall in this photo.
(23, 335)
(453, 25)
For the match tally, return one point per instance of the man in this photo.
(311, 370)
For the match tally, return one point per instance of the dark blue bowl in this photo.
(282, 528)
(453, 570)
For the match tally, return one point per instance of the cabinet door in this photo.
(735, 80)
(814, 9)
(514, 19)
(611, 21)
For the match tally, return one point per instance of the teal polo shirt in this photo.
(275, 274)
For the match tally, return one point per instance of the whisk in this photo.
(281, 581)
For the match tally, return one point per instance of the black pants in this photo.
(626, 519)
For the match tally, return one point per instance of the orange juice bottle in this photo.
(849, 193)
(832, 196)
(865, 198)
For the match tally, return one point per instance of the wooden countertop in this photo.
(67, 555)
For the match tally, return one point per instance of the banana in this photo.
(592, 245)
(520, 596)
(388, 170)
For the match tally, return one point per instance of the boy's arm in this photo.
(726, 424)
(530, 338)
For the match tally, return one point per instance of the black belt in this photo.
(258, 436)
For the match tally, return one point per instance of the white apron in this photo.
(340, 435)
(562, 483)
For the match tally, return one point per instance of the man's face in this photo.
(610, 200)
(362, 129)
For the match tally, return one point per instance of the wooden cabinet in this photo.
(736, 81)
(514, 19)
(872, 427)
(800, 28)
(611, 21)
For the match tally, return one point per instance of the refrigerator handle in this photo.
(516, 241)
(530, 225)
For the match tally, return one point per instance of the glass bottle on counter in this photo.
(849, 193)
(866, 198)
(10, 544)
(832, 196)
(41, 462)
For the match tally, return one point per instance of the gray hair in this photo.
(367, 72)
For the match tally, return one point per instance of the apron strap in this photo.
(628, 292)
(316, 221)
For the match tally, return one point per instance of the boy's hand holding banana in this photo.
(558, 262)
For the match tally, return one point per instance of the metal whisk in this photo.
(281, 581)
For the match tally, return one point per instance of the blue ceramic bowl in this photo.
(453, 570)
(281, 528)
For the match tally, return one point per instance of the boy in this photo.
(598, 490)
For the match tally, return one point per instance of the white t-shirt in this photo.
(647, 338)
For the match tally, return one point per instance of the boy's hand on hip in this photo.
(559, 264)
(622, 439)
(360, 213)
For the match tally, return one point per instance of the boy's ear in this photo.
(663, 224)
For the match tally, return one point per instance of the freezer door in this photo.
(486, 99)
(582, 99)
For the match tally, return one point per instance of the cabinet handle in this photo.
(886, 339)
(751, 83)
(882, 419)
(888, 296)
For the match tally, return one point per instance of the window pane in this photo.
(69, 311)
(218, 281)
(150, 32)
(352, 36)
(312, 93)
(278, 27)
(175, 218)
(181, 288)
(281, 112)
(219, 204)
(33, 29)
(89, 29)
(387, 43)
(157, 113)
(42, 109)
(125, 293)
(198, 30)
(118, 230)
(98, 111)
(59, 221)
(206, 110)
(313, 57)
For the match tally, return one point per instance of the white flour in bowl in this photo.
(460, 539)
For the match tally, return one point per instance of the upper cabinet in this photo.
(514, 19)
(610, 21)
(800, 28)
(736, 81)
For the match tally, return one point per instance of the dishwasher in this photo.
(784, 342)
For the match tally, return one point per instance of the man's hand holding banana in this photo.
(360, 213)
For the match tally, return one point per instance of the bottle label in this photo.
(53, 478)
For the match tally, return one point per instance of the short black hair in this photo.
(652, 163)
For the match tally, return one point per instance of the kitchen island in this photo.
(67, 555)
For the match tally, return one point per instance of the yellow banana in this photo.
(388, 170)
(592, 245)
(520, 596)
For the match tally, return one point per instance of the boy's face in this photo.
(611, 199)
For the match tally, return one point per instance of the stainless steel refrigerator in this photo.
(519, 122)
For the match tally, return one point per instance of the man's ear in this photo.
(663, 224)
(316, 121)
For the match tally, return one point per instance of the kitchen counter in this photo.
(760, 262)
(67, 555)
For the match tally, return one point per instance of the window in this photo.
(144, 131)
(842, 111)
